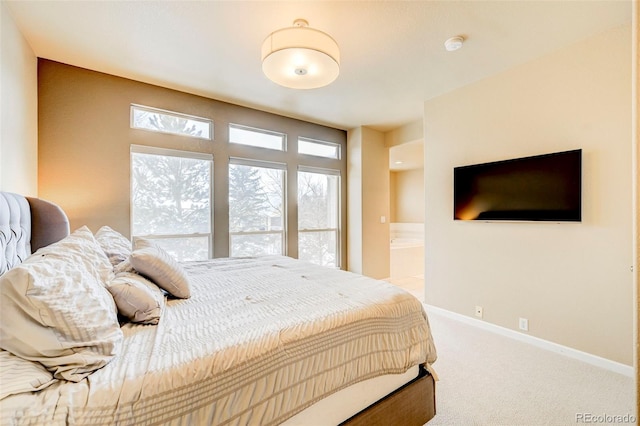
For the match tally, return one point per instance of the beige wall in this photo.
(375, 190)
(368, 198)
(572, 281)
(636, 120)
(407, 186)
(393, 183)
(354, 200)
(18, 110)
(85, 139)
(407, 199)
(410, 132)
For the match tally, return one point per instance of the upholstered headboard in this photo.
(26, 224)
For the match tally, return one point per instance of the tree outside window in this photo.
(171, 203)
(318, 218)
(256, 205)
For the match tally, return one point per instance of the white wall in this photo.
(572, 281)
(18, 110)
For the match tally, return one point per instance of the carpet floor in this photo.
(489, 379)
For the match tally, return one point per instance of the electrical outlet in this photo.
(523, 324)
(479, 311)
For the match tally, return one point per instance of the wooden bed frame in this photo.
(413, 404)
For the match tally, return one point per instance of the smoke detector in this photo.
(454, 43)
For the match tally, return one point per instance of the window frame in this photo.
(287, 133)
(258, 130)
(170, 152)
(338, 229)
(320, 142)
(239, 161)
(170, 113)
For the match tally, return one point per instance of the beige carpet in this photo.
(488, 379)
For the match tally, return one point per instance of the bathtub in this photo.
(400, 243)
(407, 257)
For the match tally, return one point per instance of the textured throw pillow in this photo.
(123, 267)
(18, 375)
(115, 245)
(57, 311)
(137, 298)
(158, 265)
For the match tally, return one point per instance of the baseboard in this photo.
(607, 364)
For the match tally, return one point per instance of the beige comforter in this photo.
(259, 340)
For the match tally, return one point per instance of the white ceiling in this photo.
(392, 53)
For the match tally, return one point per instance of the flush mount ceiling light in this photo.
(454, 43)
(300, 57)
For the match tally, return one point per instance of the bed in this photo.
(249, 341)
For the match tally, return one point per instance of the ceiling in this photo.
(392, 52)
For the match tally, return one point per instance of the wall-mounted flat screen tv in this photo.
(540, 188)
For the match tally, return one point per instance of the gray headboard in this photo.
(26, 224)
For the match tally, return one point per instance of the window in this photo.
(256, 208)
(256, 137)
(318, 216)
(173, 194)
(171, 200)
(159, 120)
(318, 148)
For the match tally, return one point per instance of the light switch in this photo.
(383, 219)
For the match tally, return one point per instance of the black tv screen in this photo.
(540, 188)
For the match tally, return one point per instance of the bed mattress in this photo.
(260, 340)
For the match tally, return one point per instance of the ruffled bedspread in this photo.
(259, 340)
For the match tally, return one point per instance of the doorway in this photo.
(406, 178)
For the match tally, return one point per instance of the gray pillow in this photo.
(137, 298)
(160, 267)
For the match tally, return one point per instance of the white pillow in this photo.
(158, 265)
(18, 375)
(115, 245)
(57, 311)
(137, 298)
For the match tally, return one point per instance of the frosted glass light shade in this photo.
(300, 58)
